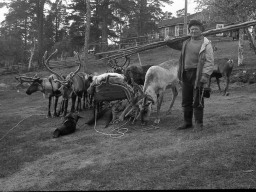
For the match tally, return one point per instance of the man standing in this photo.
(195, 67)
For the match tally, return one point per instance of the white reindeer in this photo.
(156, 81)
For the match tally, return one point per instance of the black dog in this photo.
(68, 125)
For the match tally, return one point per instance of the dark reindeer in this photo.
(47, 86)
(73, 86)
(223, 68)
(136, 73)
(132, 73)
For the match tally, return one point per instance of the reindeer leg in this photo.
(73, 103)
(55, 106)
(159, 103)
(174, 95)
(218, 82)
(226, 93)
(61, 108)
(85, 100)
(65, 107)
(78, 103)
(49, 107)
(91, 101)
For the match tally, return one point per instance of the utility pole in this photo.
(185, 18)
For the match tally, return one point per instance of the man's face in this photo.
(195, 31)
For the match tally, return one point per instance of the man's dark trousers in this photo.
(192, 100)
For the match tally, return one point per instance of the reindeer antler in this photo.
(71, 74)
(23, 79)
(114, 64)
(46, 63)
(79, 66)
(127, 59)
(110, 63)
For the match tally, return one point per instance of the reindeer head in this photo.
(66, 84)
(145, 108)
(35, 83)
(66, 89)
(91, 88)
(230, 62)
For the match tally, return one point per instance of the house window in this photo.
(166, 32)
(181, 30)
(219, 26)
(177, 28)
(172, 31)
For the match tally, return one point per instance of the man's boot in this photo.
(198, 114)
(188, 115)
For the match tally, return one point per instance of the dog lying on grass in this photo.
(68, 126)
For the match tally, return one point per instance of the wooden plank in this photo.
(128, 52)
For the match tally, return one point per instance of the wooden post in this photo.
(138, 54)
(185, 19)
(251, 40)
(241, 47)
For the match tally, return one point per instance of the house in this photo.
(175, 27)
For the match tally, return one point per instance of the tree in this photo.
(87, 32)
(57, 14)
(17, 25)
(40, 21)
(180, 13)
(231, 11)
(143, 17)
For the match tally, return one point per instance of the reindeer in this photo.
(136, 74)
(73, 86)
(223, 67)
(47, 86)
(156, 81)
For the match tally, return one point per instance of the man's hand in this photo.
(204, 79)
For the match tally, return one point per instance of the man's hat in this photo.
(196, 23)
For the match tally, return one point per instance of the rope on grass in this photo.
(17, 125)
(152, 128)
(118, 129)
(120, 133)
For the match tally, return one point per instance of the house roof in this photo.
(175, 21)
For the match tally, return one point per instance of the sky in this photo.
(177, 5)
(180, 4)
